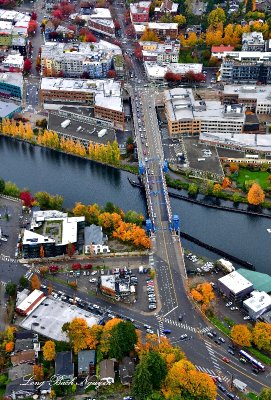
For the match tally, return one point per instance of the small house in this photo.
(126, 371)
(86, 363)
(64, 366)
(107, 372)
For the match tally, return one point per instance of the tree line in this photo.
(107, 153)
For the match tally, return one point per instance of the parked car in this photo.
(247, 317)
(210, 335)
(221, 387)
(221, 339)
(150, 331)
(180, 317)
(255, 370)
(229, 304)
(147, 326)
(166, 331)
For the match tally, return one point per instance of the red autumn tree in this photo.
(171, 77)
(71, 249)
(90, 38)
(117, 25)
(27, 65)
(111, 73)
(26, 198)
(57, 14)
(34, 15)
(32, 26)
(138, 53)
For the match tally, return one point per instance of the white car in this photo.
(149, 331)
(247, 317)
(92, 280)
(229, 304)
(94, 273)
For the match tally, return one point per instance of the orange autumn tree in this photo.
(226, 183)
(95, 336)
(9, 347)
(203, 294)
(183, 379)
(128, 232)
(255, 195)
(241, 335)
(35, 282)
(38, 372)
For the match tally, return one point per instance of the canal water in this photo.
(41, 169)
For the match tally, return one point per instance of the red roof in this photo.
(221, 48)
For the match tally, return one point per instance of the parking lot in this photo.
(10, 217)
(201, 156)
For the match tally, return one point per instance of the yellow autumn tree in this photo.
(183, 379)
(149, 36)
(49, 350)
(241, 335)
(261, 336)
(106, 334)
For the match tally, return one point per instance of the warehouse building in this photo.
(234, 286)
(31, 302)
(258, 304)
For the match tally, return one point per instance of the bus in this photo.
(252, 156)
(252, 360)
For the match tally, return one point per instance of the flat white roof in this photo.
(235, 282)
(259, 92)
(163, 25)
(5, 26)
(243, 140)
(108, 281)
(103, 13)
(30, 299)
(49, 317)
(139, 28)
(14, 59)
(258, 301)
(12, 78)
(39, 239)
(247, 55)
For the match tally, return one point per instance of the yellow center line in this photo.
(169, 266)
(248, 376)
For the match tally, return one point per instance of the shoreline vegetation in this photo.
(109, 155)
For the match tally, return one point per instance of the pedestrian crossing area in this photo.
(185, 326)
(160, 324)
(7, 258)
(212, 373)
(213, 356)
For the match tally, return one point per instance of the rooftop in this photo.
(107, 92)
(259, 301)
(163, 25)
(241, 140)
(181, 105)
(222, 48)
(33, 297)
(262, 93)
(7, 108)
(235, 282)
(63, 363)
(85, 358)
(49, 317)
(261, 281)
(87, 51)
(108, 281)
(14, 60)
(248, 55)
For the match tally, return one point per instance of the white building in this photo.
(157, 71)
(257, 304)
(12, 63)
(255, 98)
(253, 41)
(31, 302)
(234, 286)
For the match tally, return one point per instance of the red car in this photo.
(225, 359)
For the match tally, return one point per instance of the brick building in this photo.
(139, 12)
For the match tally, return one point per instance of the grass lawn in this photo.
(260, 177)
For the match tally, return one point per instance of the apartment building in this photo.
(253, 41)
(11, 84)
(246, 66)
(74, 59)
(219, 51)
(105, 26)
(167, 52)
(256, 98)
(139, 12)
(164, 30)
(103, 95)
(189, 117)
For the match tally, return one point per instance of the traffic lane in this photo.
(236, 368)
(11, 272)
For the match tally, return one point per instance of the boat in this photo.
(268, 230)
(136, 184)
